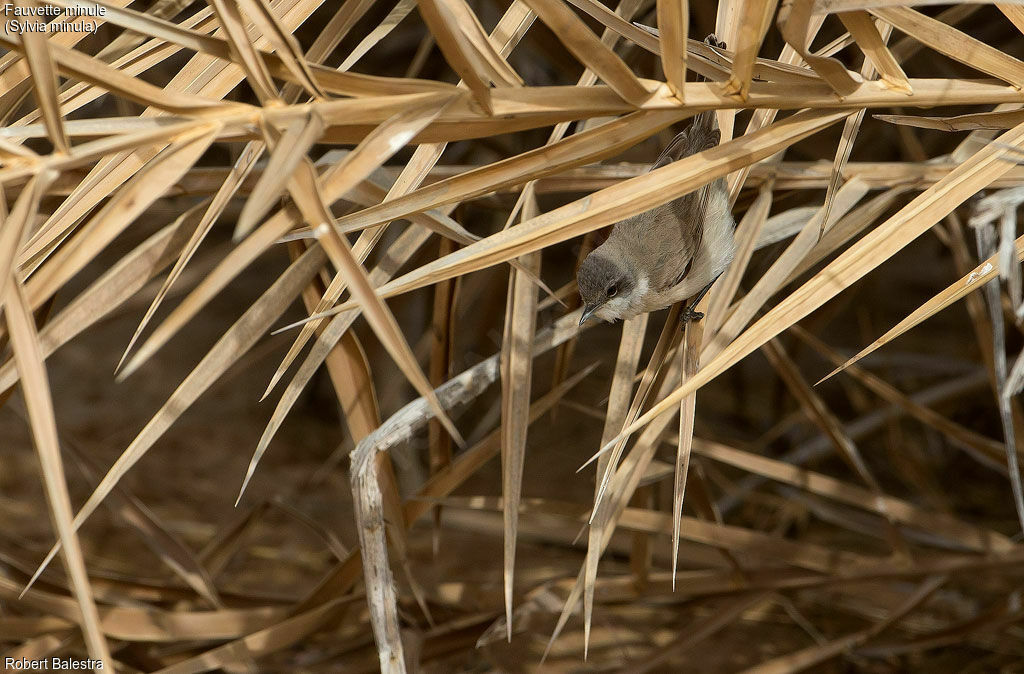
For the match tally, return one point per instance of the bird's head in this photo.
(606, 286)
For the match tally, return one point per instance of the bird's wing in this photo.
(673, 151)
(691, 209)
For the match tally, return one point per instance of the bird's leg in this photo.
(688, 313)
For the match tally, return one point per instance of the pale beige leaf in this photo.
(401, 10)
(459, 51)
(287, 151)
(954, 43)
(873, 44)
(107, 293)
(399, 253)
(78, 65)
(13, 225)
(983, 120)
(757, 17)
(979, 276)
(590, 51)
(239, 338)
(381, 319)
(794, 21)
(44, 83)
(130, 202)
(673, 28)
(517, 377)
(36, 389)
(242, 47)
(246, 161)
(283, 43)
(884, 241)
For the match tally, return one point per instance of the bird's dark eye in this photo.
(611, 291)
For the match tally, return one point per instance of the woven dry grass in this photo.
(378, 208)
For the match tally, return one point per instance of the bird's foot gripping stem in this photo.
(689, 312)
(713, 41)
(690, 315)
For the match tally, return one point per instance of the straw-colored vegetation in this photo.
(339, 198)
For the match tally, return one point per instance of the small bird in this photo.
(667, 254)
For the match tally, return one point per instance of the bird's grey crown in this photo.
(597, 273)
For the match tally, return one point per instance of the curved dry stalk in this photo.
(369, 505)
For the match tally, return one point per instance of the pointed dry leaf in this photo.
(381, 319)
(517, 377)
(690, 354)
(243, 166)
(976, 279)
(106, 294)
(746, 43)
(287, 151)
(283, 43)
(997, 120)
(863, 29)
(590, 51)
(621, 393)
(242, 47)
(44, 82)
(460, 52)
(239, 338)
(884, 241)
(131, 201)
(794, 21)
(953, 43)
(36, 388)
(401, 10)
(399, 252)
(673, 31)
(13, 225)
(335, 182)
(74, 63)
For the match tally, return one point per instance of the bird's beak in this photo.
(587, 311)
